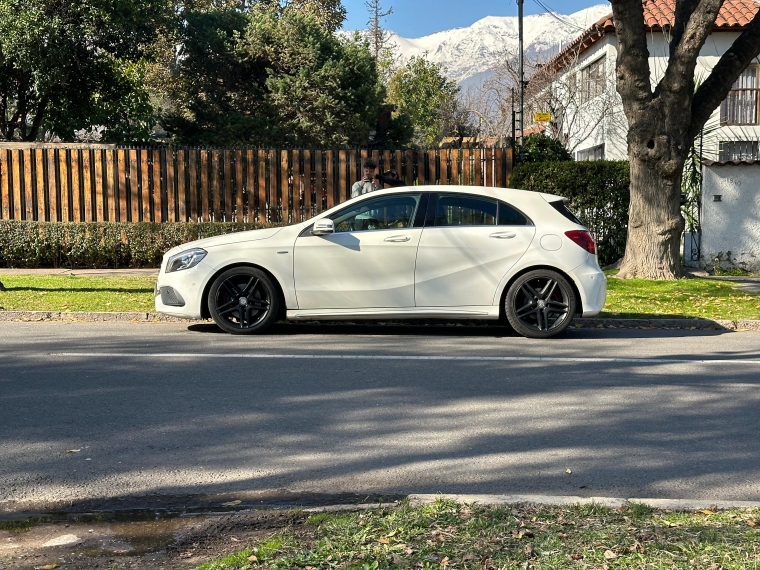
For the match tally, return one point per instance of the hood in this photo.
(226, 239)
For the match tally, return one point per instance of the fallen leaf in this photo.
(529, 551)
(576, 556)
(383, 541)
(568, 471)
(231, 503)
(751, 522)
(562, 535)
(637, 548)
(73, 450)
(707, 512)
(609, 555)
(233, 539)
(252, 558)
(48, 567)
(469, 557)
(445, 561)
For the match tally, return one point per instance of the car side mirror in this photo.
(323, 227)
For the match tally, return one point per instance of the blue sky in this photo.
(415, 18)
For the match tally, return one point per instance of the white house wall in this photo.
(733, 223)
(612, 132)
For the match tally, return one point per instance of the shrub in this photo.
(539, 147)
(100, 244)
(599, 194)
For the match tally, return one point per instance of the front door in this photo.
(467, 249)
(367, 263)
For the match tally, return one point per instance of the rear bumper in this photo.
(592, 286)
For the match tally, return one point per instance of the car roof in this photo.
(490, 191)
(525, 200)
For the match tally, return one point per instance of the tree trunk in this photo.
(654, 224)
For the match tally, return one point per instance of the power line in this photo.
(554, 15)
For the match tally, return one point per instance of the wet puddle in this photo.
(165, 537)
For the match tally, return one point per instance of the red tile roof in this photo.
(735, 15)
(660, 13)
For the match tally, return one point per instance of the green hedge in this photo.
(100, 244)
(599, 194)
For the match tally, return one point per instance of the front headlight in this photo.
(185, 259)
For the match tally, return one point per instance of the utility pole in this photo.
(521, 71)
(514, 119)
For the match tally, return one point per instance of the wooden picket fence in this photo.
(185, 184)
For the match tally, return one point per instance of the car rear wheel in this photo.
(540, 304)
(243, 300)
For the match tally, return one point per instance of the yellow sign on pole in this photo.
(542, 117)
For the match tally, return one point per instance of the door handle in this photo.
(397, 239)
(502, 235)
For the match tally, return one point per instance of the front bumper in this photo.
(187, 286)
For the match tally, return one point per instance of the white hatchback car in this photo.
(441, 252)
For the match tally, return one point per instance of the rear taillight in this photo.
(583, 239)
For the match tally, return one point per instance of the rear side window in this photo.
(562, 209)
(509, 216)
(465, 211)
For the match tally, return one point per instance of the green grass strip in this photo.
(629, 298)
(71, 293)
(451, 536)
(703, 298)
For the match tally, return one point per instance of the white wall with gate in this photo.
(731, 215)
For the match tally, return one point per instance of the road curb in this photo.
(688, 324)
(610, 502)
(89, 317)
(598, 323)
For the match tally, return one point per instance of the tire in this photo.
(243, 300)
(540, 304)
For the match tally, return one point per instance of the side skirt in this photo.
(490, 313)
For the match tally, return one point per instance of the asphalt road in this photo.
(176, 410)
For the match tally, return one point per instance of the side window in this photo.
(508, 216)
(384, 213)
(456, 210)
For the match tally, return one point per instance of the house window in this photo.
(591, 81)
(741, 105)
(738, 150)
(593, 153)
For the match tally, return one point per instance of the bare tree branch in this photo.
(684, 10)
(717, 85)
(698, 24)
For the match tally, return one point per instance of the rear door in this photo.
(467, 246)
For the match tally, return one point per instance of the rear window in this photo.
(562, 209)
(509, 216)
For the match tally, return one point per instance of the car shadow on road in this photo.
(462, 329)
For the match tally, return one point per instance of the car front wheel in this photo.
(243, 300)
(540, 304)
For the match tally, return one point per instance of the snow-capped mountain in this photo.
(469, 53)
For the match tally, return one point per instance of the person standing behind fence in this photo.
(389, 179)
(366, 184)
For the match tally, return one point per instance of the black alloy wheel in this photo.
(243, 300)
(540, 304)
